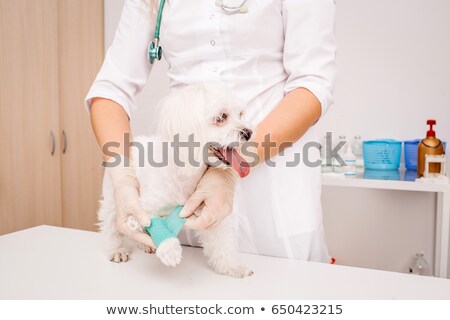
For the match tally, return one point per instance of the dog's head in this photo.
(211, 119)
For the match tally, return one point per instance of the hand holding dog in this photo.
(126, 195)
(212, 201)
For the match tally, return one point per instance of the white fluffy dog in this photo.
(207, 113)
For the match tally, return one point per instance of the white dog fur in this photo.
(191, 110)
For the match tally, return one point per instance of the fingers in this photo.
(133, 215)
(191, 204)
(202, 221)
(136, 235)
(141, 216)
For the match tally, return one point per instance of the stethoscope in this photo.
(154, 49)
(242, 8)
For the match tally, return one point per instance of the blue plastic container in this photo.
(411, 175)
(382, 154)
(377, 174)
(411, 147)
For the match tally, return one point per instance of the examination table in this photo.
(58, 263)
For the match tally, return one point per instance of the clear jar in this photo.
(421, 266)
(357, 150)
(336, 165)
(323, 155)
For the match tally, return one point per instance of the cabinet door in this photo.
(30, 190)
(80, 43)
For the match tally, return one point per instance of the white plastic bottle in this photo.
(350, 161)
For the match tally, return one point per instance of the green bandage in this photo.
(164, 228)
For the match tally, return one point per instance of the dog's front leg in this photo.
(219, 245)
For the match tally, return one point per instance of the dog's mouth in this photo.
(231, 157)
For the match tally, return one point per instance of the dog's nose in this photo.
(246, 134)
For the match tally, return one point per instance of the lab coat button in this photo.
(215, 69)
(213, 43)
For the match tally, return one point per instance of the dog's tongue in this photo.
(237, 162)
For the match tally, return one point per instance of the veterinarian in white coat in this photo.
(279, 57)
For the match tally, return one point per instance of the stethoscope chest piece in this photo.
(154, 51)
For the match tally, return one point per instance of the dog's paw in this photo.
(169, 252)
(120, 256)
(238, 272)
(147, 249)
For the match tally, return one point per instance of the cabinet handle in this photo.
(52, 143)
(64, 142)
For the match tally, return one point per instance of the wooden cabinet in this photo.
(30, 190)
(50, 173)
(80, 48)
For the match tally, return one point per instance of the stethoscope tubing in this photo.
(155, 51)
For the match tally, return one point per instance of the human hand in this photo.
(212, 201)
(130, 216)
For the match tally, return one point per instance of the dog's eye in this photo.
(223, 117)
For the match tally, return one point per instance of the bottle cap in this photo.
(431, 133)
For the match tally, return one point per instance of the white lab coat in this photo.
(278, 46)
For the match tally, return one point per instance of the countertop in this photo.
(58, 263)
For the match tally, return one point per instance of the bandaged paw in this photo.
(164, 233)
(169, 252)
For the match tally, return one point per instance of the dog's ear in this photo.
(182, 115)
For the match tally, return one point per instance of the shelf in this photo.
(405, 181)
(338, 180)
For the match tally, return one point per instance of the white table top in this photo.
(56, 263)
